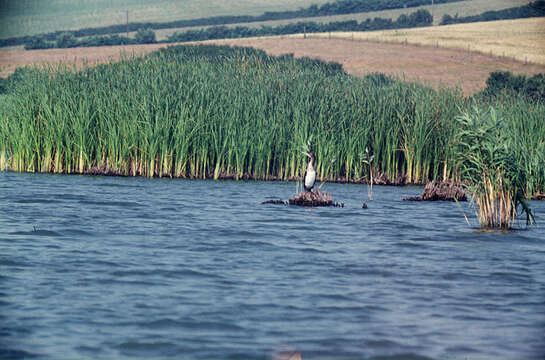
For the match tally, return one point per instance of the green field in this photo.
(30, 17)
(208, 112)
(465, 8)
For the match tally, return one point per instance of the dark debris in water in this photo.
(313, 199)
(308, 198)
(275, 202)
(441, 191)
(103, 171)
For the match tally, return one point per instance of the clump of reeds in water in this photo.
(314, 198)
(495, 176)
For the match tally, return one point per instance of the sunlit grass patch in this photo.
(521, 39)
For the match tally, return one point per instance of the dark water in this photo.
(110, 268)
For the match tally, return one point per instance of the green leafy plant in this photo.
(488, 164)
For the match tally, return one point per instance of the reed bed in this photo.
(491, 163)
(213, 112)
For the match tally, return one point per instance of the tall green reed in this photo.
(214, 111)
(489, 162)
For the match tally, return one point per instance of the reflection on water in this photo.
(94, 267)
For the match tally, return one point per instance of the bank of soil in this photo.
(436, 67)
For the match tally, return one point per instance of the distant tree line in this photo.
(534, 9)
(338, 7)
(66, 40)
(418, 18)
(145, 33)
(499, 83)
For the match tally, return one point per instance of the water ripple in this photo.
(37, 232)
(94, 267)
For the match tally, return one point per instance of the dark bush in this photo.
(66, 40)
(108, 40)
(500, 80)
(38, 42)
(535, 87)
(145, 36)
(499, 83)
(420, 18)
(534, 9)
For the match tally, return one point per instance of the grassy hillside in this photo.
(522, 39)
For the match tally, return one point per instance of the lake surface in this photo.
(116, 268)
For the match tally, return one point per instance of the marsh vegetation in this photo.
(216, 112)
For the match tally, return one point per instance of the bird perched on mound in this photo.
(310, 173)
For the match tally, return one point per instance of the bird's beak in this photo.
(306, 153)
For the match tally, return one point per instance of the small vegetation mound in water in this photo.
(314, 198)
(441, 191)
(307, 198)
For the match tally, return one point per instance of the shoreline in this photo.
(379, 181)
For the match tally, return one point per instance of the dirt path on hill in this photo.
(434, 66)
